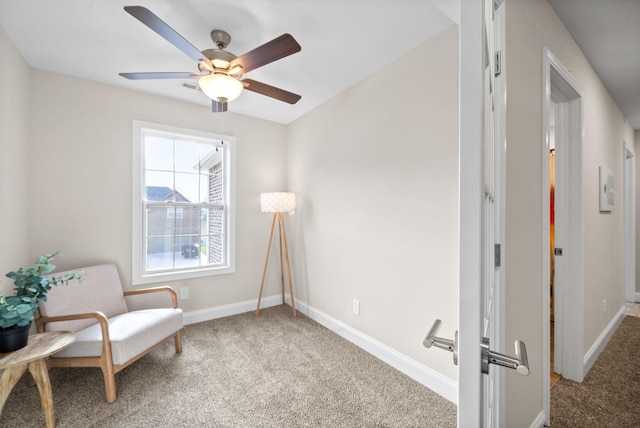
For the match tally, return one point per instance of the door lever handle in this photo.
(520, 363)
(440, 342)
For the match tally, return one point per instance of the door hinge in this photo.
(496, 255)
(498, 70)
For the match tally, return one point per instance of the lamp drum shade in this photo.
(278, 202)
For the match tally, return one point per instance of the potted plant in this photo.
(30, 286)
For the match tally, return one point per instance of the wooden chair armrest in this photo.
(99, 316)
(171, 291)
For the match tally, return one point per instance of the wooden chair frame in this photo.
(105, 360)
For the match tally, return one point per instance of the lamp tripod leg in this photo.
(280, 226)
(286, 252)
(266, 263)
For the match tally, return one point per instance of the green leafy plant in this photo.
(30, 286)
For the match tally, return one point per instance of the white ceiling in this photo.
(608, 32)
(343, 41)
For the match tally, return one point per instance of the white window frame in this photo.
(139, 275)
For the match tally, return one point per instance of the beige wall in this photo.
(376, 175)
(15, 164)
(80, 193)
(532, 25)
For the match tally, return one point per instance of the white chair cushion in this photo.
(131, 333)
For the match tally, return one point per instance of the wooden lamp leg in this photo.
(286, 252)
(280, 225)
(266, 263)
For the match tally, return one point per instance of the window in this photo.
(183, 203)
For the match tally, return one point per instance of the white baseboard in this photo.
(419, 372)
(540, 421)
(594, 352)
(231, 309)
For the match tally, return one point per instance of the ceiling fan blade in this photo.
(159, 75)
(271, 91)
(277, 48)
(218, 106)
(149, 19)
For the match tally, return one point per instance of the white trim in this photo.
(138, 277)
(569, 288)
(208, 314)
(539, 421)
(601, 342)
(637, 296)
(422, 374)
(629, 162)
(433, 380)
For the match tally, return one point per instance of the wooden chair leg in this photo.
(109, 383)
(178, 340)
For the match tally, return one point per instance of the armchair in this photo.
(108, 335)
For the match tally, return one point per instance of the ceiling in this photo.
(343, 41)
(608, 32)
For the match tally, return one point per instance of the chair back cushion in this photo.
(100, 290)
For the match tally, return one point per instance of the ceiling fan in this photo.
(220, 70)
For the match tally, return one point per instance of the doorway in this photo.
(630, 292)
(554, 377)
(563, 244)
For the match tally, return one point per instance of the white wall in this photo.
(532, 25)
(15, 163)
(80, 192)
(375, 170)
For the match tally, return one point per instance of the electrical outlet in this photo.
(356, 307)
(184, 293)
(604, 307)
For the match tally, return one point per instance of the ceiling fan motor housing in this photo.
(219, 58)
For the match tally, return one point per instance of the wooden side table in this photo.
(33, 356)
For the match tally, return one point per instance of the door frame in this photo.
(629, 162)
(569, 225)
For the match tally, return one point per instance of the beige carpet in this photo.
(610, 393)
(241, 371)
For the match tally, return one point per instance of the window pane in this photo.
(159, 153)
(187, 187)
(215, 224)
(189, 224)
(216, 185)
(189, 251)
(160, 221)
(215, 249)
(208, 156)
(159, 186)
(160, 253)
(187, 156)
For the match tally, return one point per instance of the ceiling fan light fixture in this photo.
(221, 87)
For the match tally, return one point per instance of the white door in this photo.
(482, 150)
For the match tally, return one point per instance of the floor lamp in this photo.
(278, 203)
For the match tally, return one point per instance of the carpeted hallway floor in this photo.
(608, 396)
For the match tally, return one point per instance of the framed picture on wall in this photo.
(606, 190)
